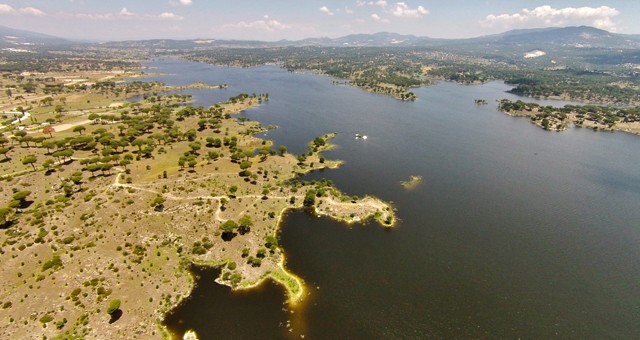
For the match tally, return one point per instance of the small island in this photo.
(412, 183)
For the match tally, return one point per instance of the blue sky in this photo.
(298, 19)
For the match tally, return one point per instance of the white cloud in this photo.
(7, 9)
(399, 9)
(4, 8)
(124, 14)
(169, 15)
(326, 10)
(267, 24)
(124, 11)
(180, 2)
(402, 10)
(376, 17)
(600, 17)
(32, 11)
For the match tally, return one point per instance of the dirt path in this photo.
(117, 183)
(68, 126)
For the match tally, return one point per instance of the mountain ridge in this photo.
(572, 36)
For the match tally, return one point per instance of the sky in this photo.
(273, 20)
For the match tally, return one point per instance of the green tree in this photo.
(79, 129)
(212, 155)
(158, 201)
(247, 154)
(192, 162)
(47, 101)
(30, 160)
(106, 168)
(94, 117)
(228, 226)
(309, 198)
(20, 134)
(282, 149)
(190, 135)
(195, 146)
(4, 151)
(125, 162)
(139, 142)
(48, 144)
(271, 242)
(27, 139)
(245, 221)
(76, 178)
(21, 196)
(47, 164)
(4, 215)
(244, 166)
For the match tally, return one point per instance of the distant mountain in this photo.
(378, 39)
(582, 36)
(20, 40)
(574, 37)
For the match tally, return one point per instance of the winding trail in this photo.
(118, 184)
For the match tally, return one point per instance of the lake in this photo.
(514, 231)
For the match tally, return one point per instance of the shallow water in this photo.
(514, 232)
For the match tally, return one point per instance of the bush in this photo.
(235, 278)
(114, 305)
(54, 263)
(46, 318)
(198, 249)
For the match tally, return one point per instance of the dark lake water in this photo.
(515, 232)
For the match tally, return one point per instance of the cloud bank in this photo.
(8, 9)
(600, 17)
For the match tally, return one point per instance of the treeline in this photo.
(74, 62)
(374, 67)
(381, 70)
(574, 84)
(553, 117)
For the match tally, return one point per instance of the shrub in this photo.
(54, 263)
(46, 318)
(114, 305)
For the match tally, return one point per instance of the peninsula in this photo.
(105, 203)
(598, 118)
